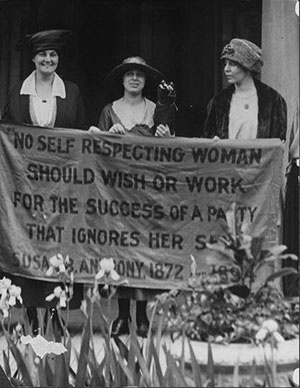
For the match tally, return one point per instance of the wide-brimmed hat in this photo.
(114, 80)
(47, 40)
(245, 53)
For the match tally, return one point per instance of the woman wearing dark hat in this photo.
(135, 114)
(43, 98)
(247, 109)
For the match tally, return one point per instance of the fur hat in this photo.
(47, 40)
(114, 80)
(245, 53)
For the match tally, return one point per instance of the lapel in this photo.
(24, 109)
(262, 104)
(61, 106)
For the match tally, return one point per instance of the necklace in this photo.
(246, 106)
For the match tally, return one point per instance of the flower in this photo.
(225, 304)
(14, 294)
(269, 327)
(107, 268)
(59, 293)
(42, 347)
(10, 293)
(57, 264)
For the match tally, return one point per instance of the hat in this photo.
(114, 79)
(47, 40)
(245, 53)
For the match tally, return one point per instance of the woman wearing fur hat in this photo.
(43, 98)
(133, 113)
(247, 108)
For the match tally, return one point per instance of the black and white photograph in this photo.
(149, 193)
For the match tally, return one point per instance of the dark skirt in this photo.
(291, 227)
(34, 292)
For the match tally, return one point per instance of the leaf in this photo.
(61, 375)
(253, 372)
(83, 357)
(195, 367)
(256, 246)
(5, 383)
(124, 356)
(174, 368)
(280, 273)
(210, 365)
(6, 364)
(235, 377)
(127, 372)
(21, 363)
(158, 371)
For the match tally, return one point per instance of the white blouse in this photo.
(243, 116)
(43, 112)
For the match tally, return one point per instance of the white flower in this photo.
(4, 286)
(278, 337)
(107, 268)
(270, 325)
(261, 334)
(57, 263)
(4, 307)
(60, 294)
(193, 266)
(42, 347)
(9, 295)
(14, 294)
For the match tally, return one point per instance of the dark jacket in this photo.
(272, 113)
(70, 110)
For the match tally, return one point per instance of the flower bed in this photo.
(248, 359)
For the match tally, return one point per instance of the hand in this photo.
(163, 131)
(117, 128)
(93, 129)
(166, 93)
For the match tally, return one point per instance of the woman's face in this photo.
(134, 81)
(46, 61)
(234, 73)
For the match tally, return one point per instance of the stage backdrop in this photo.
(147, 202)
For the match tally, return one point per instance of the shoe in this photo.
(119, 327)
(143, 328)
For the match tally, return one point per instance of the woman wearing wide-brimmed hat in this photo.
(247, 108)
(44, 98)
(131, 112)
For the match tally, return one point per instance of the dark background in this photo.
(183, 39)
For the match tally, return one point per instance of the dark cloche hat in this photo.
(47, 40)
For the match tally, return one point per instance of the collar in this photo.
(58, 87)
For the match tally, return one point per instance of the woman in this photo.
(45, 100)
(247, 108)
(133, 113)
